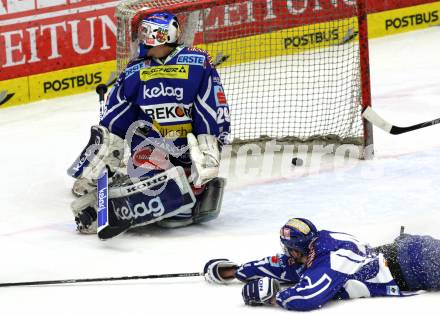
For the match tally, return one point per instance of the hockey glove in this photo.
(259, 291)
(212, 270)
(205, 156)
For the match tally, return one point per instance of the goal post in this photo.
(293, 71)
(364, 65)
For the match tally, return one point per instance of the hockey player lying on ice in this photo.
(319, 266)
(169, 106)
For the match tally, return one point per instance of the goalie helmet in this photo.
(297, 234)
(158, 29)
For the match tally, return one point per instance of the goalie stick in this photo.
(124, 278)
(105, 230)
(374, 118)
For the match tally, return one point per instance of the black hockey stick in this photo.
(125, 278)
(348, 37)
(220, 59)
(370, 115)
(5, 97)
(102, 88)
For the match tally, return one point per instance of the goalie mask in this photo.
(297, 234)
(158, 29)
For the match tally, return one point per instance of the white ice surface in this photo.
(370, 199)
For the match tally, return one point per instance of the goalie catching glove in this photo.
(205, 156)
(213, 268)
(260, 291)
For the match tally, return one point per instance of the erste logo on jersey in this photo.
(168, 113)
(135, 68)
(202, 51)
(191, 59)
(165, 71)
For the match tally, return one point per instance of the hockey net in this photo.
(291, 70)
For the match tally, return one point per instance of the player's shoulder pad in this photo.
(135, 65)
(201, 53)
(325, 243)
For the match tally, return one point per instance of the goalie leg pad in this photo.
(137, 204)
(209, 203)
(182, 219)
(151, 200)
(206, 209)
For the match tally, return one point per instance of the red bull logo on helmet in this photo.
(285, 233)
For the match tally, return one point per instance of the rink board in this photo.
(85, 78)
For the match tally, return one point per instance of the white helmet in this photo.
(159, 29)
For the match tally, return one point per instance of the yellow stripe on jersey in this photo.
(166, 71)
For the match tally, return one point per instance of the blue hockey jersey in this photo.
(178, 95)
(338, 267)
(419, 260)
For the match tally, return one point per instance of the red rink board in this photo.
(38, 36)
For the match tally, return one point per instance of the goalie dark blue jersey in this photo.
(178, 95)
